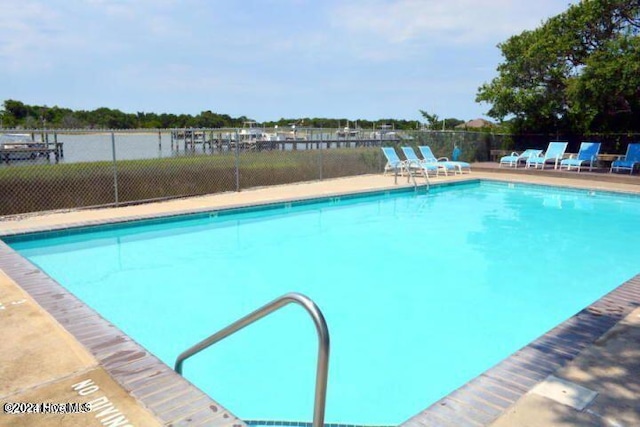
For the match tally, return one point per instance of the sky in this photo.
(263, 59)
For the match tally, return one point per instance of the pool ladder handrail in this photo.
(411, 175)
(322, 368)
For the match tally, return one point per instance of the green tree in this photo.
(605, 96)
(434, 122)
(432, 119)
(15, 110)
(69, 121)
(558, 76)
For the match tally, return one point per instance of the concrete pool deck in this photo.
(42, 358)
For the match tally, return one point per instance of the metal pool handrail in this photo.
(411, 175)
(322, 369)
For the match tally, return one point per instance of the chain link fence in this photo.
(56, 170)
(472, 146)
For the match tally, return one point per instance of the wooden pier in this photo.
(9, 154)
(190, 140)
(227, 144)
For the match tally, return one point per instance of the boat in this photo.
(385, 132)
(348, 132)
(292, 135)
(252, 133)
(252, 137)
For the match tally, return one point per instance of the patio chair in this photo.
(400, 166)
(554, 154)
(428, 156)
(412, 157)
(393, 161)
(514, 159)
(628, 161)
(587, 155)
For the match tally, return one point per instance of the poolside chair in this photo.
(400, 166)
(587, 155)
(428, 156)
(554, 154)
(393, 161)
(439, 166)
(514, 159)
(628, 161)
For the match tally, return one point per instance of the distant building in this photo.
(476, 124)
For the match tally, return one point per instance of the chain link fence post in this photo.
(237, 160)
(320, 161)
(115, 167)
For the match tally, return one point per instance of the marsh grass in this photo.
(31, 188)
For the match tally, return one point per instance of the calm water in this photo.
(421, 292)
(131, 146)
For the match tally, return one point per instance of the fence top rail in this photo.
(235, 129)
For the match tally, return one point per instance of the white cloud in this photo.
(256, 55)
(468, 22)
(114, 9)
(27, 29)
(37, 36)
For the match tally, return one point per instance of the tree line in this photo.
(16, 114)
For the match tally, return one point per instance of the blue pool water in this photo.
(421, 292)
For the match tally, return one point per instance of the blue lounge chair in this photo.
(514, 159)
(428, 156)
(393, 161)
(628, 161)
(439, 166)
(554, 154)
(587, 155)
(400, 166)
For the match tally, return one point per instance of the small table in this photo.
(497, 154)
(605, 160)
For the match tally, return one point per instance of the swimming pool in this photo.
(421, 292)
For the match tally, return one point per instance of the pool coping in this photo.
(179, 215)
(478, 402)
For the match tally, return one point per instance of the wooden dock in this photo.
(230, 145)
(190, 140)
(32, 153)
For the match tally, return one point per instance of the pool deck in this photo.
(56, 350)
